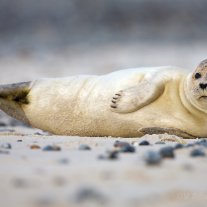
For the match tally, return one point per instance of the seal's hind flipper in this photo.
(171, 131)
(12, 99)
(16, 92)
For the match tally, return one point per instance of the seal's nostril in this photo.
(203, 86)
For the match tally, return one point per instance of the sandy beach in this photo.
(33, 176)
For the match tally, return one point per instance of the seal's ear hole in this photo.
(197, 75)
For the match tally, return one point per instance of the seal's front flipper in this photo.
(132, 99)
(13, 97)
(170, 131)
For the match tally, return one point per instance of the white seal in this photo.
(125, 103)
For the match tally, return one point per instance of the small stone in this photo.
(34, 146)
(197, 153)
(159, 142)
(88, 194)
(84, 147)
(167, 152)
(111, 155)
(118, 143)
(127, 148)
(7, 130)
(44, 200)
(190, 145)
(4, 152)
(144, 143)
(6, 146)
(152, 157)
(63, 161)
(51, 148)
(2, 124)
(38, 133)
(178, 146)
(202, 142)
(59, 181)
(19, 140)
(19, 183)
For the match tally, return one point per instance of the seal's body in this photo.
(126, 103)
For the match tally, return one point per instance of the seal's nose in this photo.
(203, 85)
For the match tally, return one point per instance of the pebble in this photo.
(111, 155)
(84, 147)
(2, 124)
(152, 157)
(159, 142)
(6, 146)
(178, 146)
(190, 145)
(19, 183)
(44, 201)
(144, 143)
(202, 142)
(88, 194)
(7, 130)
(51, 148)
(197, 153)
(127, 148)
(167, 152)
(118, 143)
(34, 146)
(19, 140)
(4, 152)
(63, 161)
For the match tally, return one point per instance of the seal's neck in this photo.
(187, 99)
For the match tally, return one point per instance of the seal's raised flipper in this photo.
(171, 131)
(134, 98)
(12, 97)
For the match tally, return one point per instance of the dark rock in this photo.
(111, 155)
(167, 152)
(6, 146)
(90, 195)
(63, 161)
(84, 147)
(4, 152)
(51, 148)
(152, 157)
(38, 133)
(189, 145)
(2, 124)
(202, 142)
(197, 153)
(19, 183)
(178, 146)
(127, 148)
(144, 143)
(159, 142)
(19, 140)
(7, 130)
(118, 143)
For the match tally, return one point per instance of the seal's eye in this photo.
(197, 75)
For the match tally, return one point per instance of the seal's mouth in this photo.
(203, 97)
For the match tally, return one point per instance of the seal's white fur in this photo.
(80, 105)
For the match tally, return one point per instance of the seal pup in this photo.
(125, 103)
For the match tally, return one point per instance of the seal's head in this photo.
(197, 86)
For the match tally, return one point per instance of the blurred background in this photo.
(56, 38)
